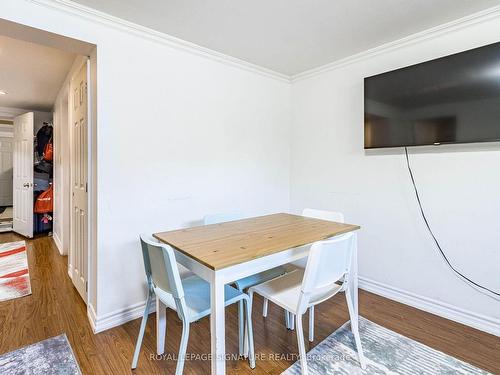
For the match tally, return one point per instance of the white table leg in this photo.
(352, 303)
(217, 326)
(161, 326)
(354, 273)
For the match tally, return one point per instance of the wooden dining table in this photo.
(223, 253)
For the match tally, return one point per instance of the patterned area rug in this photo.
(386, 352)
(14, 274)
(47, 357)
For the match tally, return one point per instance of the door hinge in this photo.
(86, 286)
(86, 187)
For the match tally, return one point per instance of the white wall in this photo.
(179, 135)
(6, 151)
(6, 148)
(459, 186)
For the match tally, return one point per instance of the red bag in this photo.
(44, 202)
(48, 152)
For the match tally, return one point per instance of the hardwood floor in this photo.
(55, 308)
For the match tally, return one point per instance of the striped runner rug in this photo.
(14, 272)
(386, 352)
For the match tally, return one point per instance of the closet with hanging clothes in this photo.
(42, 179)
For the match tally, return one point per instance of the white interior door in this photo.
(6, 177)
(23, 174)
(79, 184)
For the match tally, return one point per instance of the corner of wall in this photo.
(91, 315)
(59, 244)
(118, 317)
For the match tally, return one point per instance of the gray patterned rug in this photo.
(53, 356)
(386, 352)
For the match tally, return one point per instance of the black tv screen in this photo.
(454, 99)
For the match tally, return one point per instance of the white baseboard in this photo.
(91, 315)
(58, 243)
(469, 318)
(117, 317)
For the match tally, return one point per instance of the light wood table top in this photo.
(226, 244)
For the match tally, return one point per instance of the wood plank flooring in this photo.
(55, 307)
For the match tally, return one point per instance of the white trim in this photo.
(91, 315)
(117, 317)
(58, 243)
(6, 134)
(8, 113)
(469, 318)
(90, 176)
(445, 310)
(433, 32)
(94, 15)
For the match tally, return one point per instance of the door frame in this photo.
(62, 166)
(66, 200)
(59, 39)
(80, 63)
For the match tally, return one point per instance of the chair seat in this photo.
(285, 291)
(197, 296)
(261, 277)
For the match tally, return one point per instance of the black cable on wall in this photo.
(479, 287)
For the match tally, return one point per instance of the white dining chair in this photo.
(246, 282)
(189, 297)
(161, 310)
(322, 215)
(301, 263)
(328, 263)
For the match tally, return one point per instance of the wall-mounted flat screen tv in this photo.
(454, 99)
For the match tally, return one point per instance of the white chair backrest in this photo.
(222, 218)
(323, 215)
(160, 266)
(328, 262)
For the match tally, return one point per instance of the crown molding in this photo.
(70, 7)
(433, 32)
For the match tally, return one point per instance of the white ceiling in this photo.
(31, 74)
(289, 36)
